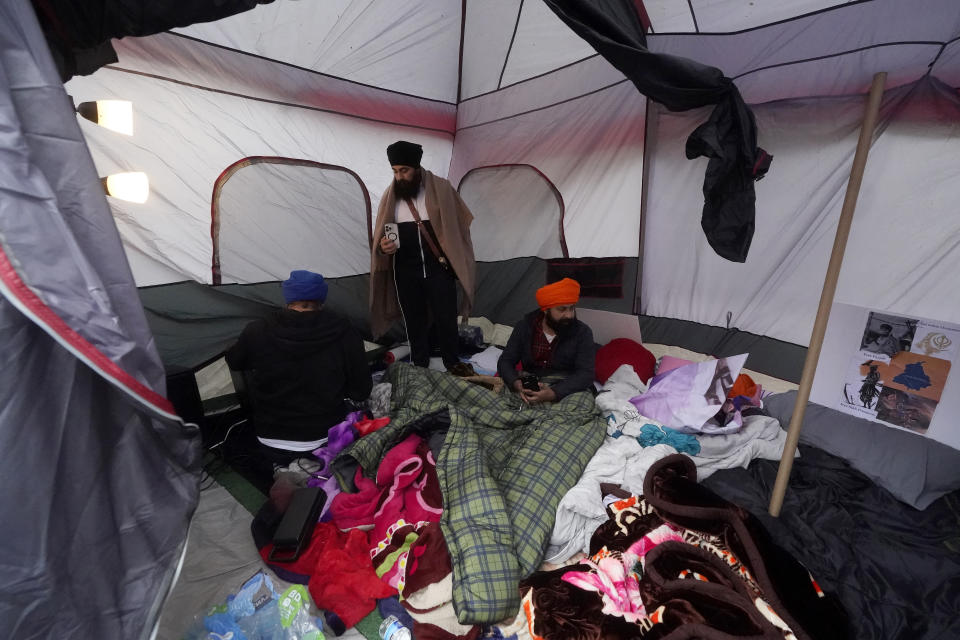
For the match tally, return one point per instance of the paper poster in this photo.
(903, 391)
(897, 372)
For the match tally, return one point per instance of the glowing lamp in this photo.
(132, 186)
(116, 115)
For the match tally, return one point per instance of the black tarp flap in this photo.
(79, 33)
(728, 138)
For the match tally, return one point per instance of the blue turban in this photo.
(304, 285)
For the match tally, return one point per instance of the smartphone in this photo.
(530, 381)
(391, 232)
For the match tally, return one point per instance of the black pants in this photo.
(424, 301)
(254, 460)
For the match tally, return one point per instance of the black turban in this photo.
(404, 153)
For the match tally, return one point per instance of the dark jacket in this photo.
(573, 357)
(301, 365)
(728, 138)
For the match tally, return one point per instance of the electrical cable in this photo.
(228, 434)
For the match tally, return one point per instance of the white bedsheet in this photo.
(625, 462)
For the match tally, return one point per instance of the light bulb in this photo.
(133, 186)
(116, 115)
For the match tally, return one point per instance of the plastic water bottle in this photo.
(392, 629)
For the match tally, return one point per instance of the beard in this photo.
(404, 189)
(559, 326)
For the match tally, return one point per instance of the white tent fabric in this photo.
(382, 43)
(777, 291)
(590, 147)
(175, 59)
(478, 83)
(715, 16)
(269, 213)
(186, 136)
(497, 196)
(335, 83)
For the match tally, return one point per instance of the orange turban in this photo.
(565, 292)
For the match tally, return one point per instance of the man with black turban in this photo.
(415, 276)
(300, 363)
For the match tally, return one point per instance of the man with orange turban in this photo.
(552, 345)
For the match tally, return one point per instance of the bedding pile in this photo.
(502, 469)
(461, 492)
(679, 562)
(634, 442)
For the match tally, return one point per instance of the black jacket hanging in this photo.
(728, 138)
(79, 32)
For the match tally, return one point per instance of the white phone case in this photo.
(391, 232)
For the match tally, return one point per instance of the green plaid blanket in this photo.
(503, 469)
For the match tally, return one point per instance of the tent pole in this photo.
(463, 28)
(829, 288)
(650, 123)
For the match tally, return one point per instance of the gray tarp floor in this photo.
(220, 557)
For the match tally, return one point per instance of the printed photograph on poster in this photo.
(862, 387)
(888, 335)
(936, 339)
(905, 409)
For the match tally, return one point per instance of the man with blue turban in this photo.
(301, 362)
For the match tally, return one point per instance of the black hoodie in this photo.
(301, 365)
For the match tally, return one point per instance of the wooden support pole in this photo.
(829, 288)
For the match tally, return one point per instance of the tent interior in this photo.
(263, 135)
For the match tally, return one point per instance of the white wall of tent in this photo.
(505, 82)
(336, 83)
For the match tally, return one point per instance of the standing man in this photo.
(416, 278)
(550, 343)
(301, 362)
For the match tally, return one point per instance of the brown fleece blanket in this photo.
(680, 562)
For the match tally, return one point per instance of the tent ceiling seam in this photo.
(306, 69)
(271, 101)
(838, 96)
(539, 75)
(506, 58)
(693, 14)
(940, 53)
(534, 110)
(463, 31)
(768, 24)
(838, 54)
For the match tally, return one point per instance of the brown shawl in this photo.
(450, 219)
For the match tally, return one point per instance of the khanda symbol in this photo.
(935, 343)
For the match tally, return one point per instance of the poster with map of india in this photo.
(894, 369)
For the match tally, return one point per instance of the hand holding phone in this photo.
(392, 233)
(530, 381)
